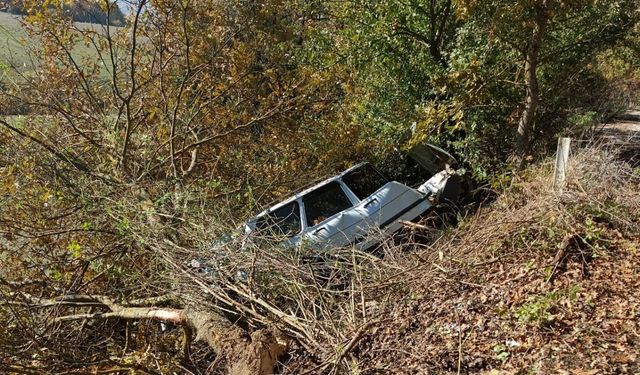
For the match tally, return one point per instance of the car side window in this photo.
(364, 181)
(325, 202)
(284, 221)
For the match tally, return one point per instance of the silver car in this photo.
(358, 206)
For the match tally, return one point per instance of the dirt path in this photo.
(623, 129)
(624, 133)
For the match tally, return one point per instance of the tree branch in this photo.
(67, 159)
(255, 354)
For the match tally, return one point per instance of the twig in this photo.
(459, 342)
(342, 353)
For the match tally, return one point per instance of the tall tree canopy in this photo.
(473, 74)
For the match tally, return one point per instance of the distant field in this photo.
(14, 43)
(12, 40)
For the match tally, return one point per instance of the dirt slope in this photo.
(540, 283)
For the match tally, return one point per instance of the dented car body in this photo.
(357, 207)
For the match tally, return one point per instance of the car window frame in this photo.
(278, 207)
(369, 165)
(348, 193)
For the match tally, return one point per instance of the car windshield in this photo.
(284, 221)
(364, 181)
(325, 202)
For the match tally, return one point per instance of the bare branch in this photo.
(67, 159)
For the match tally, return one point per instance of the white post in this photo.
(562, 157)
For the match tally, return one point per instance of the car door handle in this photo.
(319, 230)
(370, 202)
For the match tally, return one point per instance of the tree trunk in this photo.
(525, 125)
(255, 354)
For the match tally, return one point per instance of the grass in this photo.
(15, 44)
(12, 41)
(537, 310)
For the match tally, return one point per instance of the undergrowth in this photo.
(538, 281)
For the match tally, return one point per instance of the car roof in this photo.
(305, 191)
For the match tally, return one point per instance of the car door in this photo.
(432, 158)
(331, 218)
(368, 185)
(381, 201)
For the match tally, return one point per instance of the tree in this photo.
(490, 73)
(559, 38)
(541, 19)
(111, 181)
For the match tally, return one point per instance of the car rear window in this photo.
(364, 181)
(325, 202)
(284, 221)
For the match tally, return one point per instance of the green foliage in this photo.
(539, 311)
(594, 235)
(75, 249)
(501, 352)
(453, 70)
(584, 120)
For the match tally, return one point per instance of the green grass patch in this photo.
(539, 310)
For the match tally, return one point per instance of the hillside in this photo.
(137, 164)
(78, 10)
(538, 283)
(11, 38)
(16, 43)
